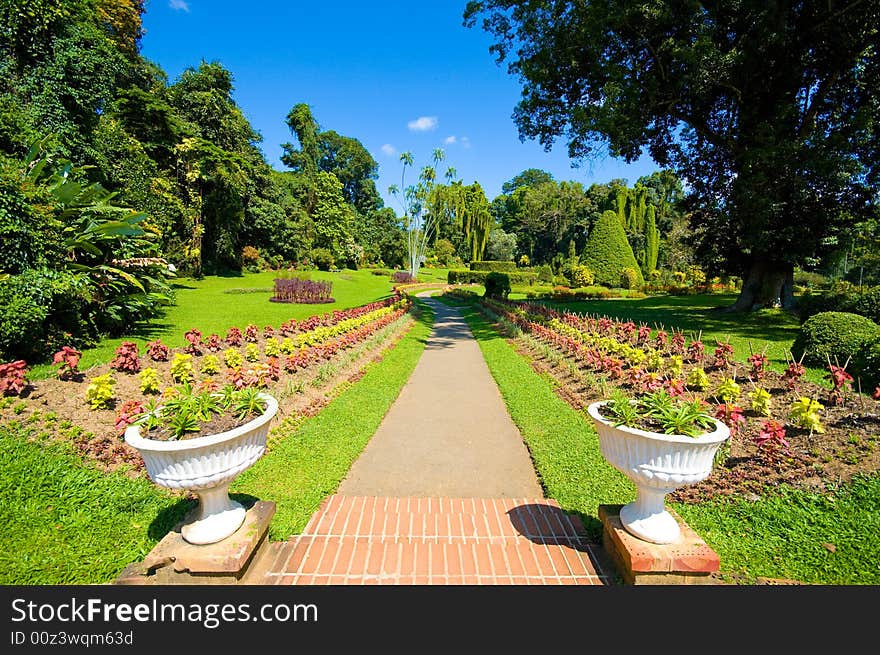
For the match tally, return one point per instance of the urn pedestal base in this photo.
(687, 561)
(174, 560)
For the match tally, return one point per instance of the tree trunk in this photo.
(768, 284)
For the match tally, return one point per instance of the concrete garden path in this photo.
(448, 433)
(444, 493)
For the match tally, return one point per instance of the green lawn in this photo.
(772, 329)
(66, 522)
(821, 538)
(216, 303)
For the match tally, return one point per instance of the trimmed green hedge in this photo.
(843, 297)
(461, 276)
(496, 266)
(835, 335)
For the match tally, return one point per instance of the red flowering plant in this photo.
(67, 360)
(841, 382)
(771, 438)
(157, 351)
(128, 414)
(194, 339)
(234, 336)
(793, 374)
(732, 416)
(13, 378)
(126, 359)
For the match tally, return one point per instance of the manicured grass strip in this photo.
(66, 522)
(562, 441)
(308, 465)
(830, 538)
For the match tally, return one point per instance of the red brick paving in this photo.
(356, 540)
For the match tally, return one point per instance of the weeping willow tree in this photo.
(476, 221)
(462, 215)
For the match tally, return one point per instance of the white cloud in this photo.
(465, 142)
(179, 5)
(423, 124)
(449, 140)
(389, 150)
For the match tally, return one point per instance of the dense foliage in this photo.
(112, 177)
(767, 111)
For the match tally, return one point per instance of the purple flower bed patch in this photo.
(302, 291)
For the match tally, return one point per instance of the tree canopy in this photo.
(767, 111)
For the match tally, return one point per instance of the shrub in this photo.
(493, 266)
(444, 251)
(182, 367)
(149, 380)
(127, 359)
(629, 278)
(834, 336)
(544, 273)
(323, 259)
(67, 360)
(40, 311)
(519, 278)
(497, 285)
(380, 271)
(13, 378)
(250, 257)
(866, 365)
(842, 297)
(581, 276)
(100, 392)
(402, 277)
(607, 251)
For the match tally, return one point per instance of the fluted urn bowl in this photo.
(207, 466)
(657, 464)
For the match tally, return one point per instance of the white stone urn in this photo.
(207, 466)
(657, 464)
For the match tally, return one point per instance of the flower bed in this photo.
(296, 290)
(784, 429)
(297, 362)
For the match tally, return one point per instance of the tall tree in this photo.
(766, 109)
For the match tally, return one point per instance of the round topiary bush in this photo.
(497, 285)
(837, 336)
(866, 366)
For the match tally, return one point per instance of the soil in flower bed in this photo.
(849, 446)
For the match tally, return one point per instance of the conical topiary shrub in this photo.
(607, 252)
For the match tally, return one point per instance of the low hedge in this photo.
(493, 266)
(842, 297)
(461, 276)
(834, 336)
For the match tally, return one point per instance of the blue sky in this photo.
(397, 76)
